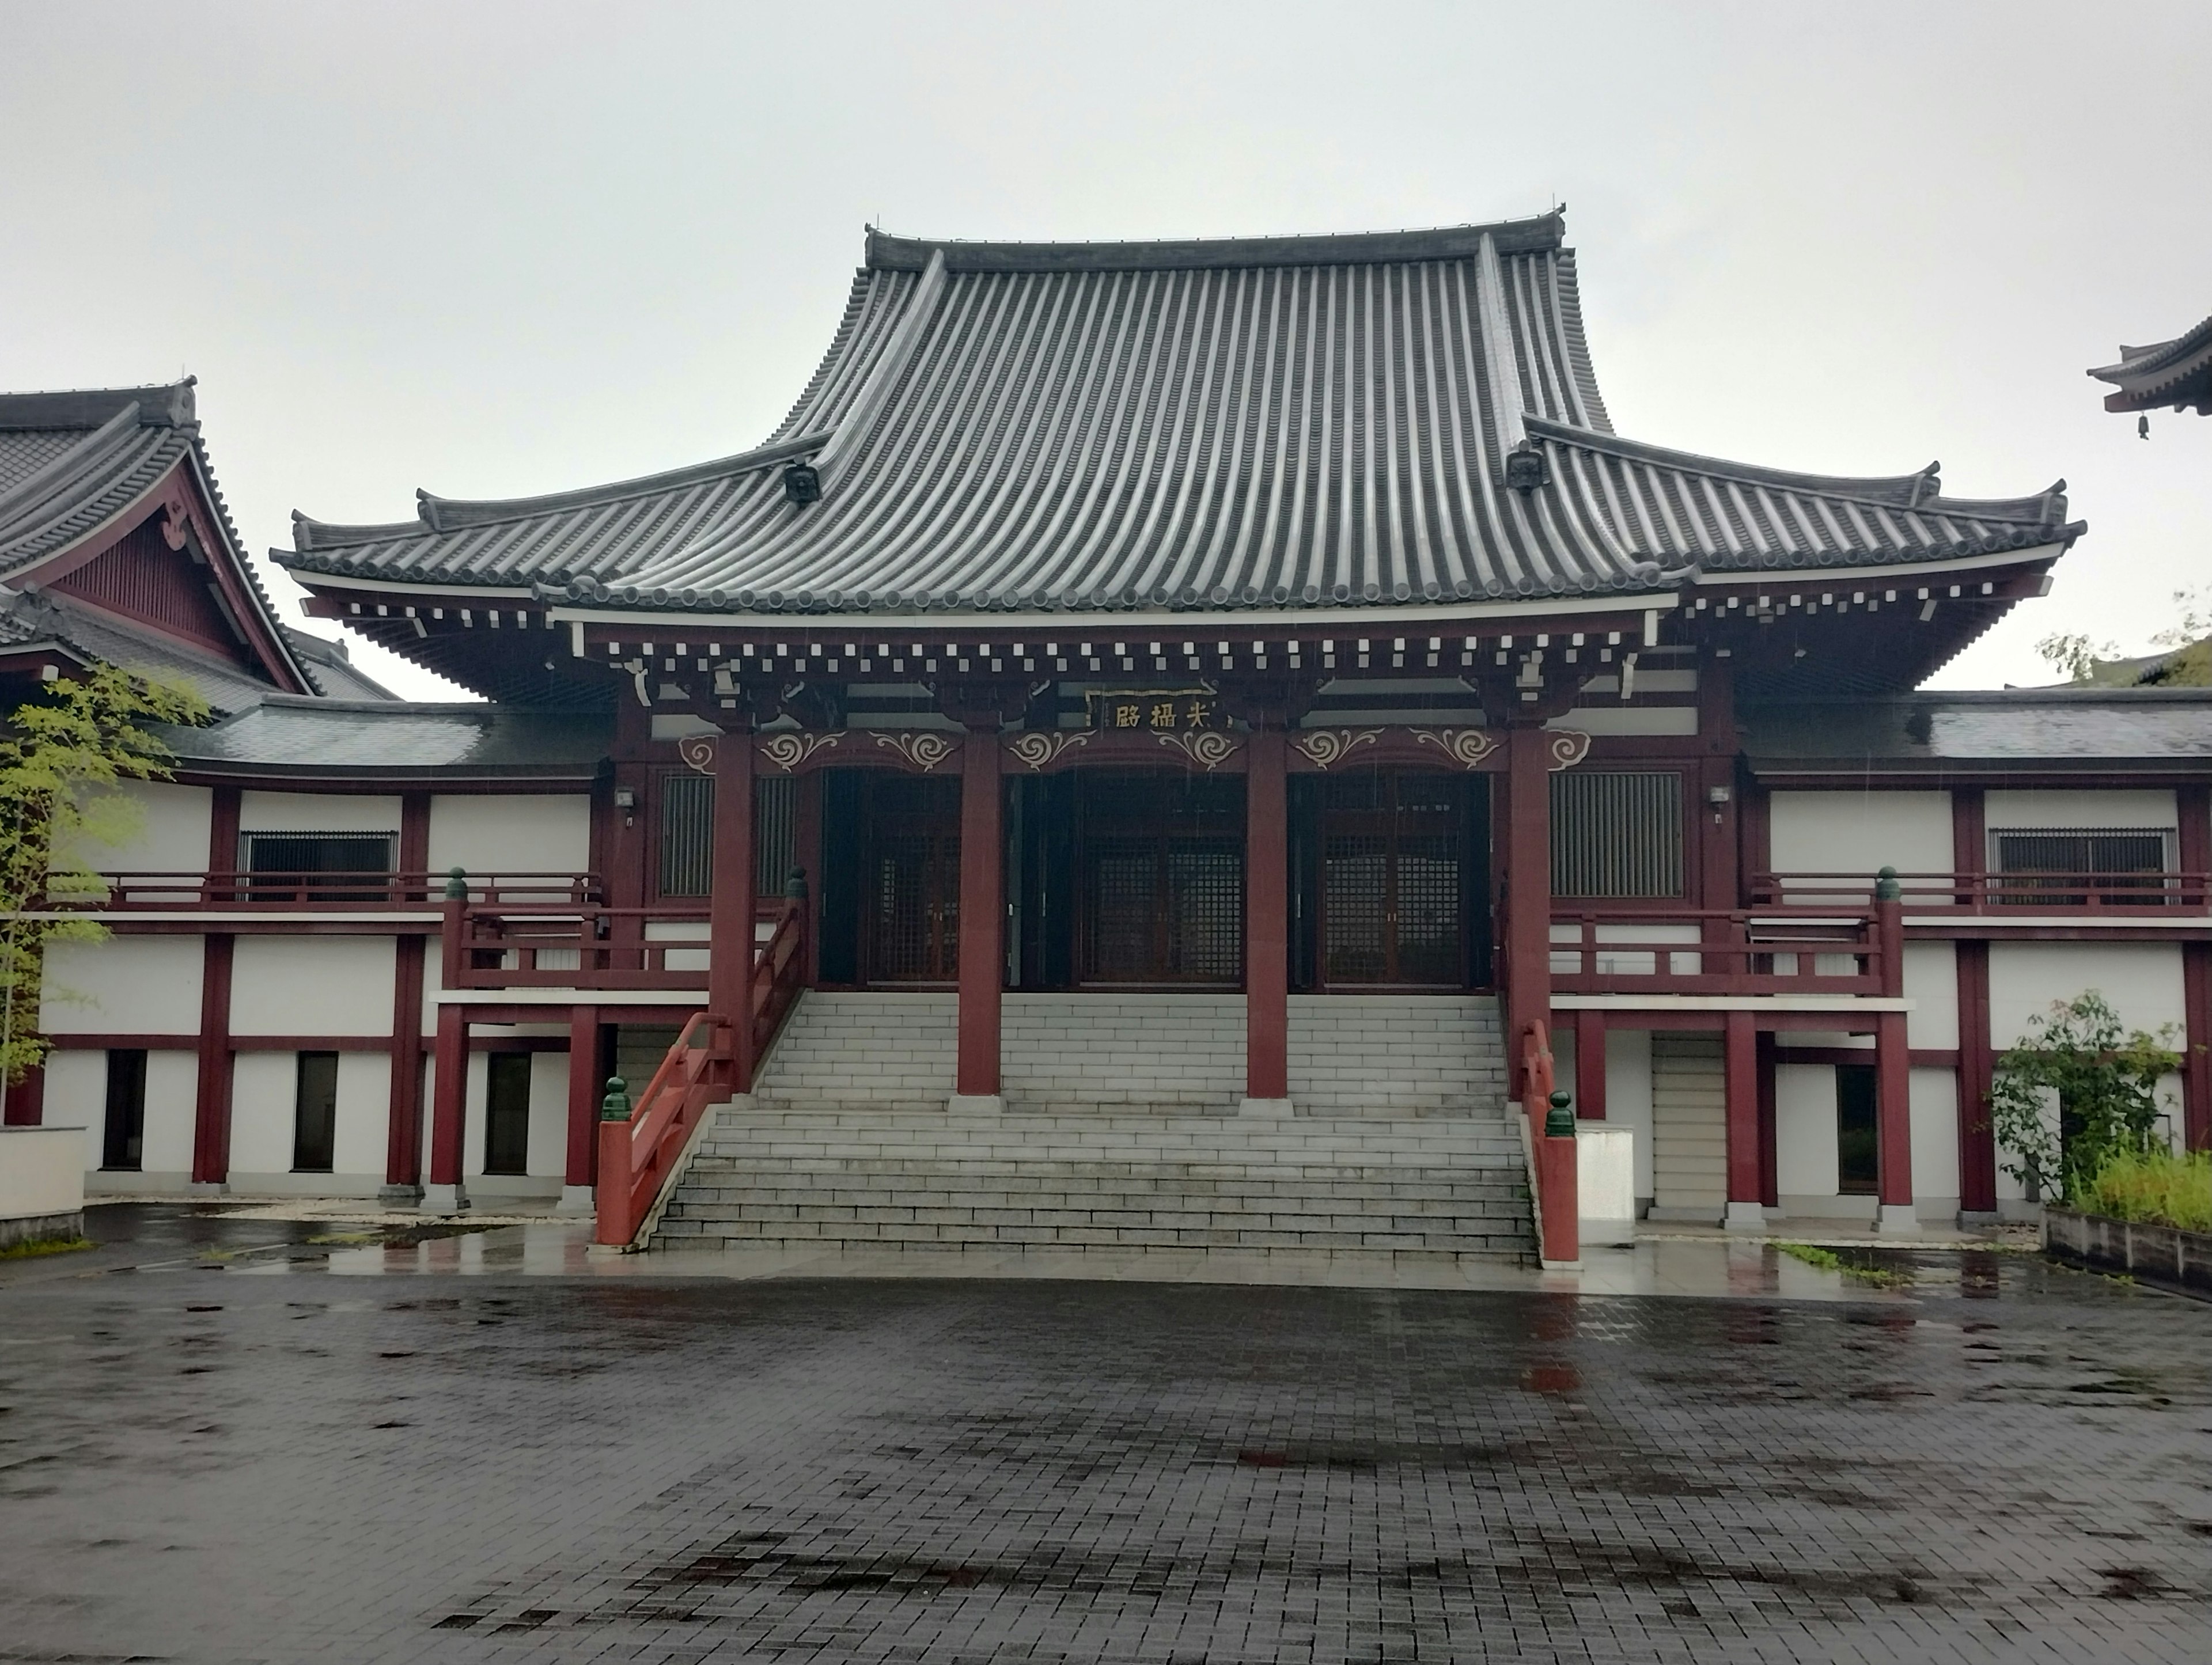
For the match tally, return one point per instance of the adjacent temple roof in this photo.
(289, 735)
(76, 467)
(2178, 373)
(2094, 730)
(1256, 422)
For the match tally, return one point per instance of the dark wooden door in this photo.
(1393, 860)
(1160, 865)
(911, 902)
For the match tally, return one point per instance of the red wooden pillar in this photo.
(211, 1117)
(2194, 805)
(1770, 1153)
(1527, 886)
(445, 1193)
(27, 1099)
(806, 855)
(1266, 925)
(403, 1144)
(1739, 1085)
(585, 1082)
(1892, 1069)
(1977, 1142)
(1589, 1065)
(730, 908)
(982, 923)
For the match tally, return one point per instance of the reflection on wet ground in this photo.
(229, 1452)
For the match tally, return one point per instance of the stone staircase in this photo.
(1119, 1134)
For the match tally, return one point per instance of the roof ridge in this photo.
(93, 408)
(438, 514)
(887, 252)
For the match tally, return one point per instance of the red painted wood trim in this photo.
(124, 1041)
(1922, 1057)
(450, 1096)
(211, 1115)
(1977, 1148)
(1527, 849)
(1769, 1142)
(27, 1099)
(1267, 917)
(983, 916)
(1892, 1066)
(585, 1052)
(1589, 1065)
(807, 852)
(1739, 1079)
(486, 1015)
(730, 905)
(2197, 1056)
(222, 832)
(403, 1143)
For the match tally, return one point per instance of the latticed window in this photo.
(2127, 863)
(1616, 833)
(687, 834)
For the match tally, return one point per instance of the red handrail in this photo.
(637, 1156)
(1554, 1180)
(1763, 951)
(1983, 893)
(297, 889)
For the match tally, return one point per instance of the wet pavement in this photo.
(226, 1454)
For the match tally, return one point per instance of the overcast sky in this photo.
(500, 249)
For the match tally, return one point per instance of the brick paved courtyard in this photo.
(2012, 1463)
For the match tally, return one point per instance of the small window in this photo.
(507, 1113)
(1858, 1132)
(315, 1114)
(123, 1134)
(2128, 864)
(687, 834)
(1616, 833)
(283, 864)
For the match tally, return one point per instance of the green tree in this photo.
(65, 752)
(2105, 1081)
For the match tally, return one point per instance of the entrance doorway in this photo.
(911, 898)
(1390, 872)
(1160, 866)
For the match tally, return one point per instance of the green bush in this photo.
(2105, 1080)
(2156, 1187)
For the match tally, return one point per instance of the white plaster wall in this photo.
(1805, 1155)
(265, 1108)
(312, 986)
(549, 1115)
(1601, 719)
(472, 1122)
(310, 812)
(128, 986)
(172, 836)
(1859, 832)
(1628, 1095)
(264, 1095)
(484, 833)
(1931, 983)
(1934, 1098)
(2009, 809)
(2141, 980)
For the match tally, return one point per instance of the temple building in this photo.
(2176, 374)
(1166, 744)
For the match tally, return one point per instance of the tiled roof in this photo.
(2091, 728)
(2176, 373)
(70, 462)
(1262, 422)
(86, 633)
(292, 735)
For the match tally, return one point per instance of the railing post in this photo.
(1529, 877)
(731, 927)
(1892, 1066)
(611, 1194)
(1739, 1101)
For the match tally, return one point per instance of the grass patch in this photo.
(1828, 1260)
(2155, 1187)
(349, 1238)
(37, 1246)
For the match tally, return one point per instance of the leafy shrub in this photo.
(2156, 1187)
(2106, 1081)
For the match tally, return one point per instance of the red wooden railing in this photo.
(562, 945)
(1554, 1181)
(292, 891)
(1993, 893)
(641, 1145)
(1767, 950)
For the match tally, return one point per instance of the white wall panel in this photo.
(1858, 832)
(489, 833)
(1628, 1094)
(473, 1123)
(2078, 809)
(364, 1112)
(312, 986)
(265, 1089)
(1931, 983)
(309, 811)
(1806, 1162)
(2141, 980)
(549, 1115)
(128, 986)
(1935, 1103)
(172, 1100)
(77, 1096)
(172, 836)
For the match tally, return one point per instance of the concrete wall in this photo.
(41, 1185)
(1859, 832)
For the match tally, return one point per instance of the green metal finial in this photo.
(615, 1107)
(457, 884)
(1886, 887)
(794, 885)
(1559, 1120)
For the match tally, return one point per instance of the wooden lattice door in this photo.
(912, 901)
(1392, 877)
(1162, 879)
